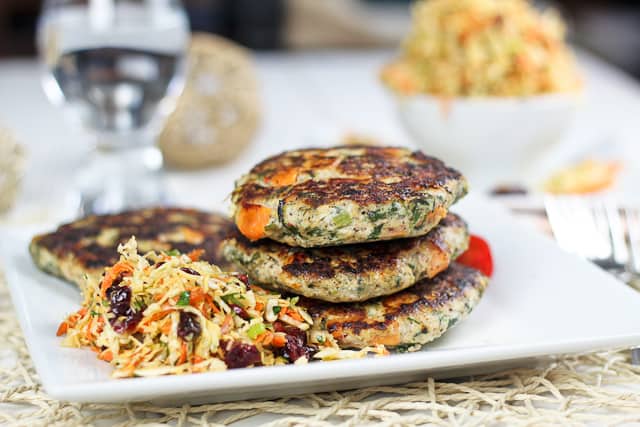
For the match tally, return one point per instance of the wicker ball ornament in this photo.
(11, 166)
(218, 113)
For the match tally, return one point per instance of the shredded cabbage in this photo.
(168, 313)
(483, 48)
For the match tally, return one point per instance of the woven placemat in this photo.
(572, 390)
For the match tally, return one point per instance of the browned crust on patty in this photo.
(91, 243)
(345, 195)
(362, 176)
(351, 272)
(414, 316)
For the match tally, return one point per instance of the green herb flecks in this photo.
(233, 299)
(173, 252)
(375, 233)
(277, 309)
(375, 216)
(255, 330)
(419, 210)
(403, 348)
(342, 219)
(184, 299)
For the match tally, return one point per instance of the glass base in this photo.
(113, 180)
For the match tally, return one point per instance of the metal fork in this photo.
(598, 230)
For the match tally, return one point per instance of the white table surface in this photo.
(310, 98)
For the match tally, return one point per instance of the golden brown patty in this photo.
(407, 319)
(352, 272)
(343, 195)
(85, 247)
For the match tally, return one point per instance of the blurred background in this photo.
(608, 28)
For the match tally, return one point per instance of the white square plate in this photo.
(540, 301)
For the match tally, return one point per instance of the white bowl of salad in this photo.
(489, 86)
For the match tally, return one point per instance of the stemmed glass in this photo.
(115, 67)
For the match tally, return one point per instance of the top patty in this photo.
(86, 246)
(407, 319)
(321, 197)
(351, 272)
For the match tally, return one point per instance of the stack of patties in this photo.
(364, 236)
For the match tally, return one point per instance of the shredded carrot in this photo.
(183, 353)
(196, 254)
(252, 220)
(196, 296)
(70, 321)
(259, 306)
(106, 355)
(283, 177)
(131, 367)
(88, 334)
(158, 315)
(196, 359)
(294, 314)
(279, 340)
(120, 268)
(166, 327)
(265, 338)
(62, 329)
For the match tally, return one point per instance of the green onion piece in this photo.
(294, 300)
(277, 309)
(184, 299)
(255, 330)
(342, 219)
(94, 313)
(173, 252)
(232, 299)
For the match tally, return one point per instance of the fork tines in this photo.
(598, 229)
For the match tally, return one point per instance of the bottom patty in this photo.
(80, 251)
(407, 319)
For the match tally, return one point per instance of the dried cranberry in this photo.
(158, 265)
(190, 271)
(114, 285)
(243, 278)
(119, 300)
(126, 319)
(294, 349)
(296, 345)
(126, 323)
(241, 355)
(240, 311)
(189, 326)
(290, 330)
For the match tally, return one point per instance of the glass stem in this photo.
(115, 178)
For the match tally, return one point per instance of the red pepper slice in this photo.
(478, 256)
